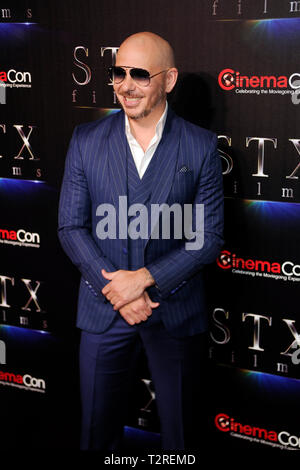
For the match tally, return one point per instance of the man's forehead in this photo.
(139, 46)
(135, 56)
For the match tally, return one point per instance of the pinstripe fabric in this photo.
(187, 171)
(139, 191)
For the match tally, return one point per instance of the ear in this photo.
(171, 79)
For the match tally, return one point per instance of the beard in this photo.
(142, 114)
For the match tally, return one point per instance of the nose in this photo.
(128, 84)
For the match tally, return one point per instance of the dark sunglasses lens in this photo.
(140, 76)
(117, 74)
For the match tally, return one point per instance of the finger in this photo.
(140, 309)
(139, 315)
(119, 304)
(112, 298)
(108, 275)
(142, 315)
(149, 301)
(121, 301)
(137, 319)
(147, 310)
(106, 289)
(145, 318)
(128, 318)
(118, 301)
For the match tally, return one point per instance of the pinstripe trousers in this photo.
(107, 368)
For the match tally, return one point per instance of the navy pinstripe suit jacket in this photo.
(95, 173)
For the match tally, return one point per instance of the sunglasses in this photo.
(141, 76)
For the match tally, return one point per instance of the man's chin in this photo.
(135, 114)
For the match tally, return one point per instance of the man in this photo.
(140, 292)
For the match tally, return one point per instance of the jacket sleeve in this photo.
(74, 222)
(175, 268)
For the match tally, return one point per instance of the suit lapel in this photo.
(165, 166)
(117, 158)
(118, 172)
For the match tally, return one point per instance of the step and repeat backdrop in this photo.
(240, 77)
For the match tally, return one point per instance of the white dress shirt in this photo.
(141, 158)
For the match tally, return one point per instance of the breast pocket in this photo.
(183, 188)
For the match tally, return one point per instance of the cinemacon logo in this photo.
(229, 79)
(12, 76)
(22, 381)
(225, 423)
(228, 260)
(20, 235)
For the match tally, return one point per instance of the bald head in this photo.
(154, 55)
(149, 46)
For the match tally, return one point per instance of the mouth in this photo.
(131, 101)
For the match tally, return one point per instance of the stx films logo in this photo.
(256, 347)
(268, 185)
(247, 9)
(18, 157)
(21, 303)
(146, 411)
(86, 76)
(4, 280)
(15, 14)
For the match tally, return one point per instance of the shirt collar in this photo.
(159, 126)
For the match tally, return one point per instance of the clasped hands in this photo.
(126, 291)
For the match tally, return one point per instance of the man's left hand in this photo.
(125, 286)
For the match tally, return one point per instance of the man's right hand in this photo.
(139, 309)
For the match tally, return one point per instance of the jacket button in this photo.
(125, 251)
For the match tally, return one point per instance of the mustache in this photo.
(128, 94)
